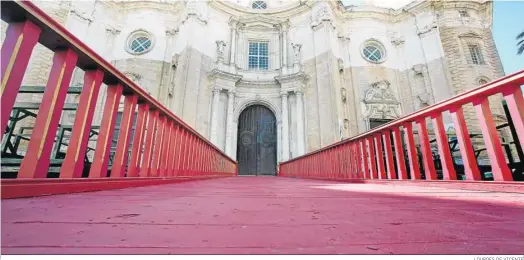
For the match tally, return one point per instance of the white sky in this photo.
(395, 4)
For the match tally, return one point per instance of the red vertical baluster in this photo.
(73, 164)
(349, 164)
(105, 133)
(365, 158)
(371, 145)
(181, 154)
(427, 156)
(199, 157)
(166, 153)
(147, 162)
(198, 160)
(18, 45)
(138, 140)
(173, 150)
(448, 170)
(500, 169)
(358, 152)
(392, 173)
(124, 136)
(191, 159)
(465, 146)
(399, 152)
(380, 156)
(412, 152)
(36, 161)
(157, 151)
(515, 102)
(189, 156)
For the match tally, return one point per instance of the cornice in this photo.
(283, 12)
(216, 73)
(124, 6)
(299, 76)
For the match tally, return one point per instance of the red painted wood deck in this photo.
(266, 215)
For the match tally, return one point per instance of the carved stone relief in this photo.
(380, 101)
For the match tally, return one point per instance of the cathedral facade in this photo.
(270, 80)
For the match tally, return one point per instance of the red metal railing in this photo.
(162, 145)
(373, 155)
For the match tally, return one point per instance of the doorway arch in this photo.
(257, 141)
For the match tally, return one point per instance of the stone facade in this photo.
(319, 82)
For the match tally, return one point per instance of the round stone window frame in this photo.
(134, 35)
(377, 44)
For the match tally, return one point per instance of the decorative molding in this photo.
(322, 16)
(343, 37)
(397, 40)
(195, 9)
(428, 28)
(83, 16)
(216, 73)
(295, 77)
(113, 31)
(172, 31)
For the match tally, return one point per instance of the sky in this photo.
(508, 21)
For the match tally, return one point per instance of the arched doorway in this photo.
(257, 141)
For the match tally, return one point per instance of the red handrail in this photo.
(368, 142)
(163, 145)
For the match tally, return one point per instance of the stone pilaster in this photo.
(285, 127)
(214, 115)
(229, 123)
(300, 122)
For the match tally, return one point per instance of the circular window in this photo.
(139, 42)
(373, 51)
(259, 5)
(483, 81)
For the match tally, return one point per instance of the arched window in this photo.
(373, 51)
(139, 42)
(259, 5)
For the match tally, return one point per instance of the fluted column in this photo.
(300, 122)
(285, 128)
(229, 123)
(214, 115)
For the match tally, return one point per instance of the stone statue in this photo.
(220, 50)
(296, 52)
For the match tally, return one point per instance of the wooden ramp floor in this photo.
(267, 215)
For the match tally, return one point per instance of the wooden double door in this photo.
(257, 142)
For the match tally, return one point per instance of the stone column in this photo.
(214, 115)
(233, 43)
(229, 123)
(285, 128)
(300, 122)
(284, 47)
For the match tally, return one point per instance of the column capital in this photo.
(284, 93)
(231, 93)
(216, 89)
(299, 92)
